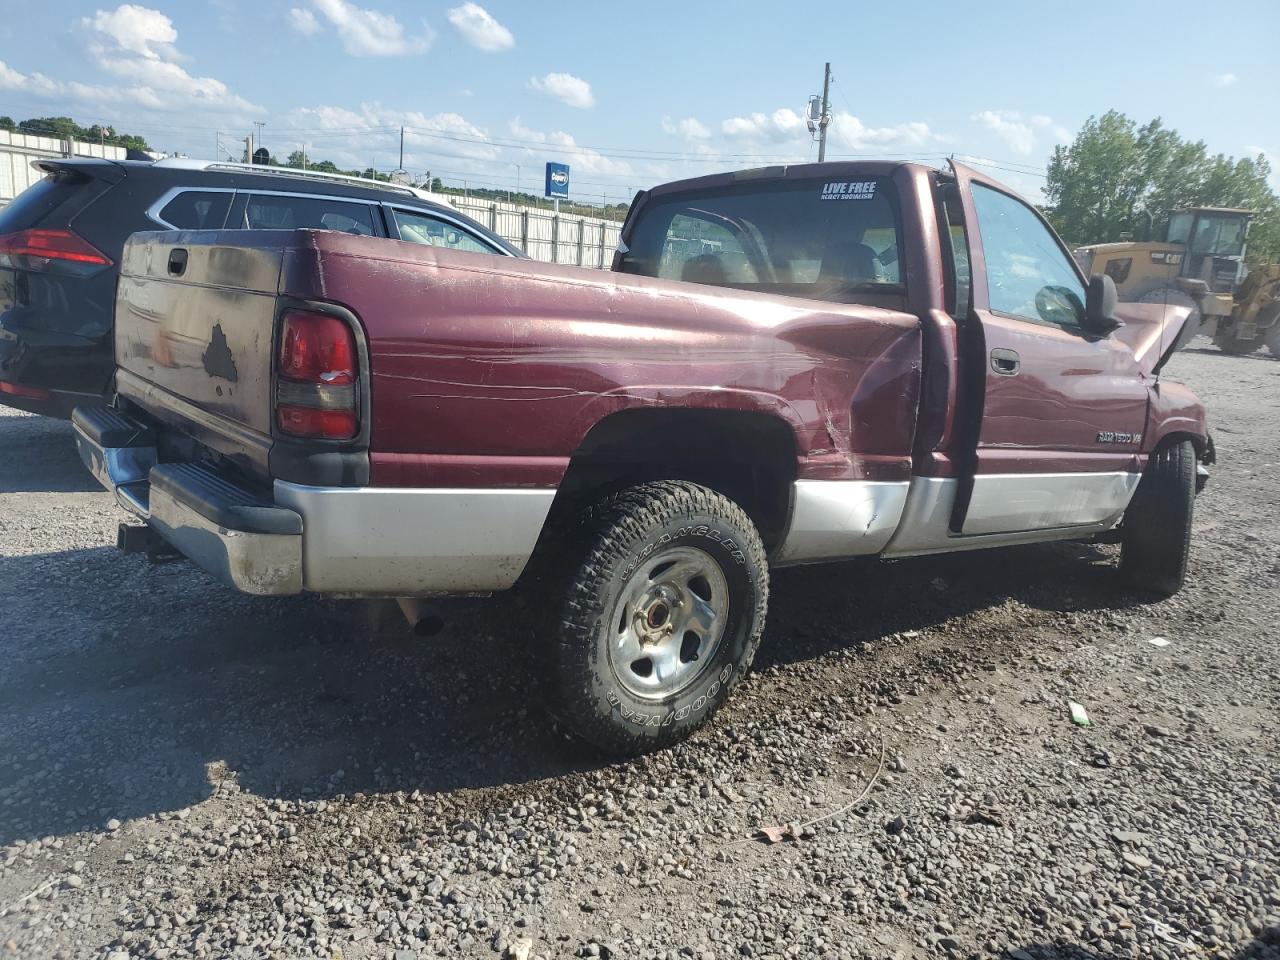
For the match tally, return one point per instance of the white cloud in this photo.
(373, 132)
(1225, 80)
(370, 33)
(138, 30)
(565, 87)
(787, 126)
(137, 44)
(303, 21)
(690, 128)
(914, 134)
(479, 29)
(1009, 127)
(580, 159)
(783, 124)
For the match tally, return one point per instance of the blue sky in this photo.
(634, 95)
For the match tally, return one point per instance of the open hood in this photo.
(1153, 331)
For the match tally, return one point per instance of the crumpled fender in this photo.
(1175, 411)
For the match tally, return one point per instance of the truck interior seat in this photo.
(706, 268)
(849, 263)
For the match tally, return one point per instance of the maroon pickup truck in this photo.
(787, 365)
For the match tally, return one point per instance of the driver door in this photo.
(1060, 413)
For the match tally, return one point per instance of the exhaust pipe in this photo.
(424, 618)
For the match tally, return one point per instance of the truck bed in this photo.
(491, 371)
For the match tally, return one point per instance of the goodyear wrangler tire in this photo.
(663, 611)
(1156, 535)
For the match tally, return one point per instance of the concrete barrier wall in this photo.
(581, 241)
(17, 150)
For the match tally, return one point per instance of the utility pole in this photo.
(248, 149)
(401, 167)
(825, 120)
(259, 124)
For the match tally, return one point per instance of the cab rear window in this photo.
(826, 239)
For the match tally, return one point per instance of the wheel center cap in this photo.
(653, 615)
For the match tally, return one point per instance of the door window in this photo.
(279, 212)
(435, 232)
(197, 210)
(1028, 274)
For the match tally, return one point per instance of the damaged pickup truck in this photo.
(787, 365)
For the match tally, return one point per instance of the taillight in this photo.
(17, 390)
(316, 372)
(49, 245)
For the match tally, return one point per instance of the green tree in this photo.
(67, 129)
(6, 123)
(1118, 179)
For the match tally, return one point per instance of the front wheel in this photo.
(667, 587)
(1269, 324)
(1225, 339)
(1156, 535)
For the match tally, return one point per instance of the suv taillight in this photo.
(317, 369)
(46, 245)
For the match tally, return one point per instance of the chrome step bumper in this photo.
(236, 534)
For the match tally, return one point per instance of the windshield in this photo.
(1219, 236)
(823, 239)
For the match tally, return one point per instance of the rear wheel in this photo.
(667, 586)
(1156, 536)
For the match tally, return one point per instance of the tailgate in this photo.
(194, 328)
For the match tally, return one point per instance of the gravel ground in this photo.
(187, 772)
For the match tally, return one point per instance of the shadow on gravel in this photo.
(1265, 947)
(823, 608)
(1260, 354)
(40, 456)
(132, 689)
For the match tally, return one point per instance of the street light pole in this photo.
(825, 120)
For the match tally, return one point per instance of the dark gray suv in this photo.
(60, 241)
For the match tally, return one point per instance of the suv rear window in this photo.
(197, 210)
(37, 205)
(822, 239)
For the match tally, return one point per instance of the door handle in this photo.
(1005, 362)
(177, 262)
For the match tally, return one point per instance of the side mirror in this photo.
(1100, 306)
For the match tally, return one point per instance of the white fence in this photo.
(545, 236)
(17, 150)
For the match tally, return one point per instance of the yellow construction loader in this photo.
(1200, 265)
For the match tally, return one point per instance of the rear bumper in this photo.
(361, 541)
(233, 533)
(52, 374)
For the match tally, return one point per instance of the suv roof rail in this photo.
(260, 170)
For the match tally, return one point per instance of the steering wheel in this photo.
(1059, 305)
